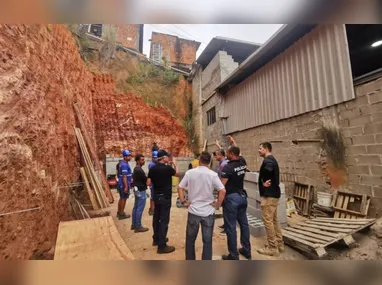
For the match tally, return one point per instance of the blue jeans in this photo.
(235, 209)
(139, 206)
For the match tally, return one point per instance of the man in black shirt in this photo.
(235, 205)
(140, 180)
(160, 176)
(269, 180)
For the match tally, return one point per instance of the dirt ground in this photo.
(140, 244)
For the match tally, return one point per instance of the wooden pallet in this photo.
(302, 196)
(314, 235)
(350, 205)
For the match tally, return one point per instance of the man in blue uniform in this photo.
(124, 183)
(151, 164)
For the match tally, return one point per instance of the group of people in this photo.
(200, 183)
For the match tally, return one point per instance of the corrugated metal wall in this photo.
(313, 73)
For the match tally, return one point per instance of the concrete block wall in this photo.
(360, 121)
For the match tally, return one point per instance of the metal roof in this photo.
(280, 41)
(238, 49)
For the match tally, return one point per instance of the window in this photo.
(211, 116)
(365, 48)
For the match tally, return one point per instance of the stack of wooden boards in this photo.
(91, 239)
(312, 236)
(90, 177)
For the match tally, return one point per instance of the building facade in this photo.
(179, 53)
(304, 83)
(130, 36)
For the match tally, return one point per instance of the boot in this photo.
(141, 230)
(270, 251)
(245, 254)
(151, 212)
(155, 243)
(166, 249)
(281, 247)
(132, 227)
(228, 257)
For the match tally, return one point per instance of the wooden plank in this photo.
(317, 236)
(349, 241)
(330, 229)
(339, 203)
(90, 239)
(334, 200)
(323, 233)
(328, 224)
(348, 211)
(307, 196)
(304, 237)
(344, 221)
(93, 152)
(88, 189)
(363, 204)
(346, 202)
(90, 170)
(304, 242)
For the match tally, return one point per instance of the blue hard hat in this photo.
(126, 152)
(155, 154)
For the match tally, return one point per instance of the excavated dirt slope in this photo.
(41, 76)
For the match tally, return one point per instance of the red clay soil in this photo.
(41, 76)
(125, 121)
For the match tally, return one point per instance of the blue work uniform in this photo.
(124, 169)
(151, 164)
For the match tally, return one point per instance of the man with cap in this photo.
(151, 164)
(124, 182)
(155, 147)
(160, 176)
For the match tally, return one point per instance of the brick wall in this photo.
(361, 123)
(176, 50)
(128, 35)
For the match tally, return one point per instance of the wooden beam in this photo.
(93, 153)
(88, 189)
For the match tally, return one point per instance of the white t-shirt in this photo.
(201, 182)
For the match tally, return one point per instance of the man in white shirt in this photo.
(201, 182)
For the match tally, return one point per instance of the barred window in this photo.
(211, 116)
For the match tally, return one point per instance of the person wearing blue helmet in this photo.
(151, 164)
(124, 183)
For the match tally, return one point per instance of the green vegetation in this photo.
(188, 124)
(150, 72)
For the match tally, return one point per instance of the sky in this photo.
(205, 32)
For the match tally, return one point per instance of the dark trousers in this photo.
(235, 209)
(207, 224)
(161, 219)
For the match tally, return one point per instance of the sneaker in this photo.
(155, 243)
(269, 251)
(221, 227)
(281, 247)
(228, 257)
(244, 253)
(151, 212)
(166, 249)
(223, 233)
(132, 227)
(121, 215)
(141, 230)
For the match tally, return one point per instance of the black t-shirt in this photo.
(270, 171)
(139, 178)
(161, 178)
(234, 171)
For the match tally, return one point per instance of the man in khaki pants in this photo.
(269, 180)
